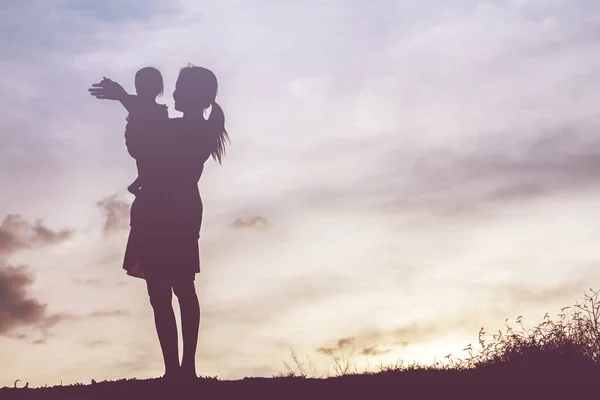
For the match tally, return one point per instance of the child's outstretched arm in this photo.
(108, 89)
(128, 101)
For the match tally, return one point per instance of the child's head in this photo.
(148, 82)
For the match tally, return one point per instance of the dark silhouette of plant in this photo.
(571, 341)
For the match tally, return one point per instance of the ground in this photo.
(420, 384)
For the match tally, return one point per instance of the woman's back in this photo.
(174, 153)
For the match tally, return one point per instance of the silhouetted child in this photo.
(143, 107)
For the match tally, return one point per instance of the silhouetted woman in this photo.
(167, 213)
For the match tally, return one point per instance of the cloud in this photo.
(373, 351)
(16, 233)
(370, 341)
(138, 359)
(54, 319)
(452, 182)
(256, 222)
(17, 309)
(116, 213)
(345, 342)
(521, 294)
(340, 345)
(351, 343)
(88, 281)
(564, 162)
(97, 343)
(45, 236)
(279, 299)
(109, 313)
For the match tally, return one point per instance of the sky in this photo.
(400, 175)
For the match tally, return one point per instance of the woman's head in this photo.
(195, 91)
(148, 82)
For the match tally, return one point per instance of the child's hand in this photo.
(108, 90)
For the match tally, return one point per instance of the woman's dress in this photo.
(166, 215)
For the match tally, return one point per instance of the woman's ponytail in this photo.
(217, 123)
(199, 89)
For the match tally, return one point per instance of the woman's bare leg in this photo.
(190, 324)
(166, 327)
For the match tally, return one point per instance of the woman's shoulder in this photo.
(177, 124)
(193, 135)
(187, 127)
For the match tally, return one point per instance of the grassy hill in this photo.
(417, 384)
(557, 359)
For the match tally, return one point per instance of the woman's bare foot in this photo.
(171, 376)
